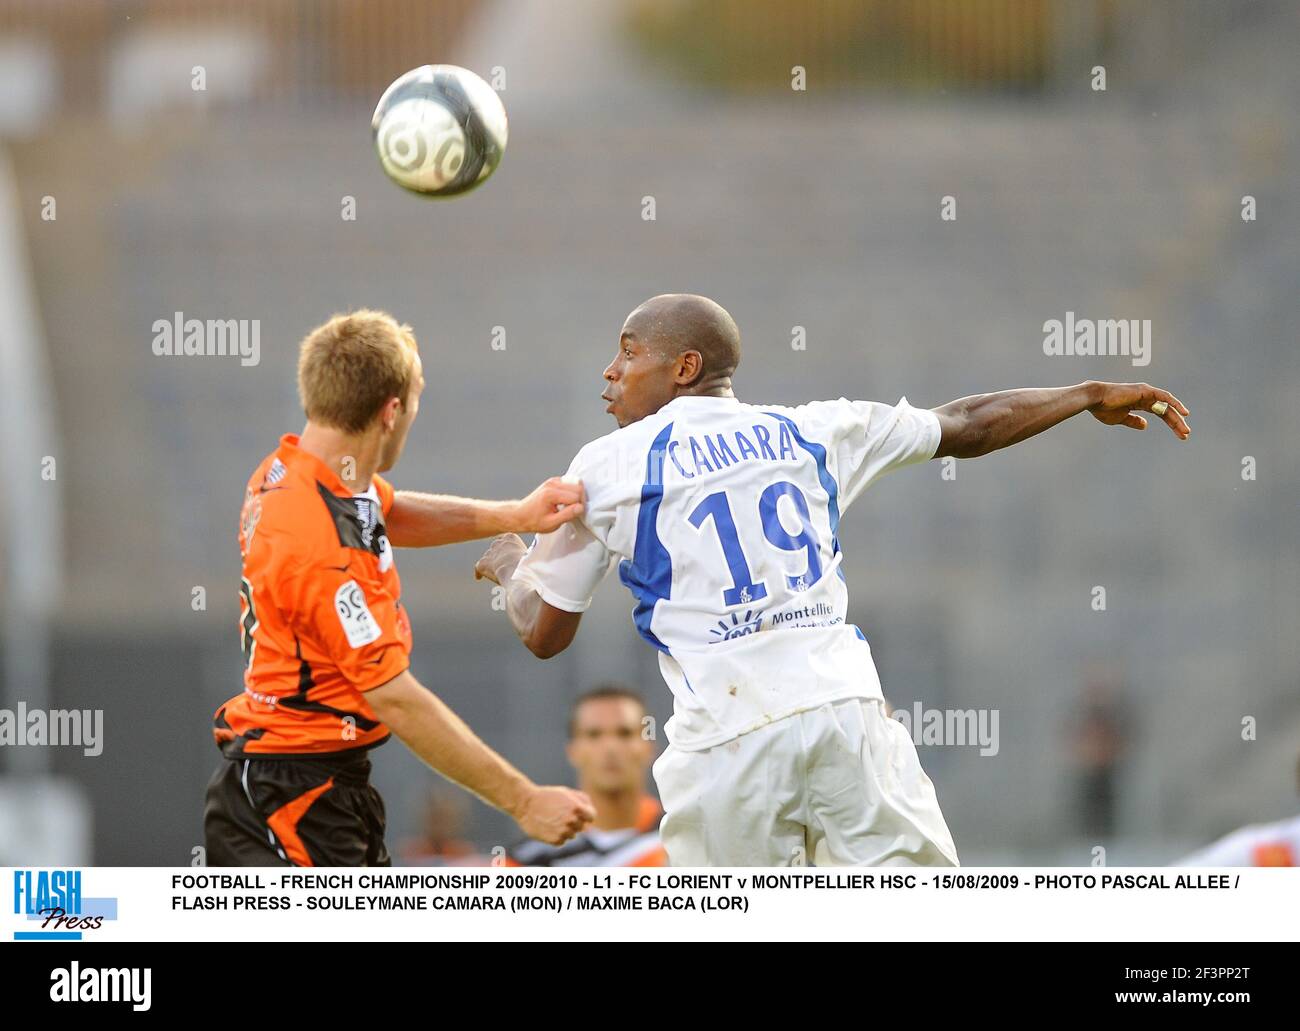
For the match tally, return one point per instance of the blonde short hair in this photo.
(349, 368)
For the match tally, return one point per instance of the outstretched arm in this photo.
(983, 423)
(545, 630)
(442, 739)
(429, 520)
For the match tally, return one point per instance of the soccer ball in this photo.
(439, 130)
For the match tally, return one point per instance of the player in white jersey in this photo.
(1260, 844)
(723, 520)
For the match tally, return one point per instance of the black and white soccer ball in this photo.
(439, 130)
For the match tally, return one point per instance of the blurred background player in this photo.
(723, 519)
(611, 753)
(1261, 844)
(1098, 734)
(326, 639)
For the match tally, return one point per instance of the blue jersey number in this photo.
(743, 589)
(776, 533)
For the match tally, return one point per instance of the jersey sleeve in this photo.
(869, 438)
(354, 620)
(566, 565)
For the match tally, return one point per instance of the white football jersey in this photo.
(723, 519)
(1261, 844)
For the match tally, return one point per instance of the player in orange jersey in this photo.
(326, 638)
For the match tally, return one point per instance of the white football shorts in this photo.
(838, 785)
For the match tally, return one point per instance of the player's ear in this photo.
(391, 411)
(689, 366)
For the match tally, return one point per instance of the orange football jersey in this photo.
(321, 620)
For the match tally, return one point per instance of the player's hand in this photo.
(505, 547)
(551, 505)
(1121, 402)
(554, 815)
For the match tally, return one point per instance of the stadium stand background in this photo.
(817, 209)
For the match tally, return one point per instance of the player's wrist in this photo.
(518, 796)
(1093, 393)
(515, 517)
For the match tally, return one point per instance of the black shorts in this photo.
(318, 811)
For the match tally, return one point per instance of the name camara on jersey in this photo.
(695, 455)
(722, 519)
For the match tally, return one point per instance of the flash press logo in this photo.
(54, 900)
(75, 983)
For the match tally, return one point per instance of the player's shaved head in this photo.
(670, 345)
(674, 323)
